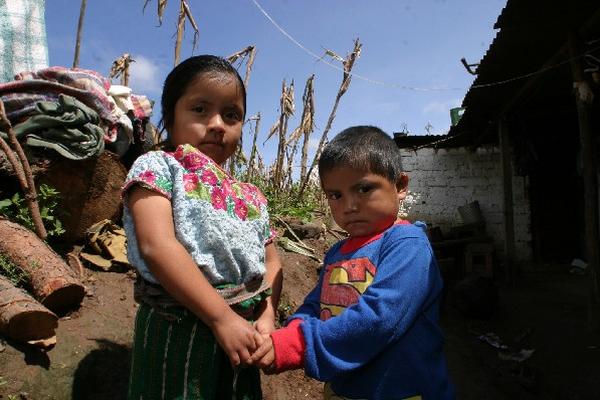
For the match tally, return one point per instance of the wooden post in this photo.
(583, 100)
(508, 206)
(79, 29)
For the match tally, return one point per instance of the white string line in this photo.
(319, 58)
(435, 88)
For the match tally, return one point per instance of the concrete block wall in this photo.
(443, 180)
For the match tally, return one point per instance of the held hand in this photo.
(264, 325)
(264, 356)
(237, 338)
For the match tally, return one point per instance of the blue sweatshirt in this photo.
(370, 326)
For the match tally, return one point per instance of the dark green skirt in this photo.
(176, 356)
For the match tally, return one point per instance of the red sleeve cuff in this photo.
(289, 346)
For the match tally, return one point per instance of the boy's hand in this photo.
(264, 356)
(237, 338)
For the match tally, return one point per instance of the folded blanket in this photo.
(67, 125)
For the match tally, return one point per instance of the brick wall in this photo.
(445, 179)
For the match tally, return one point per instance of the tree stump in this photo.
(51, 279)
(90, 190)
(22, 318)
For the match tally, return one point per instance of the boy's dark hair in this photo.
(183, 74)
(365, 148)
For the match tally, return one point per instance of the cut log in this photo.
(51, 279)
(22, 318)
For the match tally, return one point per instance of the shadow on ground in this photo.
(103, 374)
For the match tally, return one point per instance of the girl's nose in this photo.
(216, 123)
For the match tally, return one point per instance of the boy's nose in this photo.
(351, 204)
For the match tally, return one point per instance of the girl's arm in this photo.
(267, 314)
(179, 275)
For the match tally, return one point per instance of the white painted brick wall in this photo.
(446, 179)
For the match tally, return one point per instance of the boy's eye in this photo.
(200, 109)
(365, 189)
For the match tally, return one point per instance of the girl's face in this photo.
(209, 115)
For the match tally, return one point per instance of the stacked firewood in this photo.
(31, 318)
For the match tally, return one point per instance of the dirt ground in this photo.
(546, 312)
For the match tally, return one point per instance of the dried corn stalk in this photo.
(120, 67)
(286, 110)
(249, 52)
(253, 152)
(348, 63)
(307, 125)
(184, 13)
(161, 9)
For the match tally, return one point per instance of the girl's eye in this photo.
(333, 196)
(233, 115)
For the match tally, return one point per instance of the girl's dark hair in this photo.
(366, 148)
(183, 74)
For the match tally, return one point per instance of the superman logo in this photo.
(343, 283)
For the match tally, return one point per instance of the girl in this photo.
(202, 245)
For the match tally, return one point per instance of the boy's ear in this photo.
(402, 186)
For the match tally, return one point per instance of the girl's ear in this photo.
(402, 186)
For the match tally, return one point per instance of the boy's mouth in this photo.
(356, 222)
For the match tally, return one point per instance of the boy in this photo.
(370, 326)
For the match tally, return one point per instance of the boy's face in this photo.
(362, 203)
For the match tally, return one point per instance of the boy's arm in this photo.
(406, 280)
(290, 349)
(288, 342)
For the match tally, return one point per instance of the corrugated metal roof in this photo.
(530, 47)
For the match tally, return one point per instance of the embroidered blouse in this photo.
(223, 223)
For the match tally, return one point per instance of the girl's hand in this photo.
(264, 325)
(237, 338)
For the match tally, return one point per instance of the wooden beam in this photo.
(587, 150)
(79, 29)
(508, 205)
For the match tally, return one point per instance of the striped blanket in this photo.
(23, 45)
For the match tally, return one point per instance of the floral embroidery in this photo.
(164, 184)
(226, 187)
(205, 181)
(209, 177)
(148, 177)
(200, 192)
(190, 182)
(253, 212)
(218, 199)
(178, 154)
(240, 208)
(194, 161)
